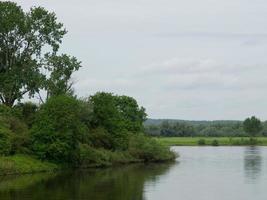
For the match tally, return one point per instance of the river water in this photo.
(200, 173)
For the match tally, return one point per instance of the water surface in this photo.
(200, 173)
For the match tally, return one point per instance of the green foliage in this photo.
(223, 141)
(5, 140)
(252, 126)
(93, 157)
(20, 137)
(100, 138)
(215, 143)
(58, 129)
(179, 128)
(201, 142)
(132, 115)
(20, 164)
(148, 149)
(14, 132)
(28, 111)
(61, 68)
(253, 141)
(118, 115)
(8, 112)
(29, 43)
(105, 112)
(100, 130)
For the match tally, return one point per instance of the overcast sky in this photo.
(184, 59)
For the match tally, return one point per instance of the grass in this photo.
(22, 164)
(222, 141)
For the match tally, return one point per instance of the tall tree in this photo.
(28, 42)
(252, 126)
(61, 68)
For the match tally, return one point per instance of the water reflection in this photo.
(252, 163)
(104, 184)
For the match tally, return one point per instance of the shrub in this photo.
(10, 112)
(215, 143)
(28, 111)
(57, 130)
(5, 141)
(99, 138)
(238, 142)
(148, 149)
(93, 157)
(90, 156)
(201, 142)
(14, 129)
(253, 141)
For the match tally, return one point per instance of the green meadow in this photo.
(221, 141)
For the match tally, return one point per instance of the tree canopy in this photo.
(29, 60)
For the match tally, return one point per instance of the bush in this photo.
(28, 111)
(201, 142)
(93, 157)
(6, 111)
(148, 149)
(253, 141)
(14, 130)
(99, 138)
(90, 156)
(58, 129)
(5, 141)
(215, 143)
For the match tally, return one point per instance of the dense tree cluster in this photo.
(63, 128)
(69, 130)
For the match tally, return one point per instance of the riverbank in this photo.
(24, 164)
(220, 141)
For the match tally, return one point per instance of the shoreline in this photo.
(209, 141)
(25, 164)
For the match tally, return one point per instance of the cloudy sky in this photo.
(185, 59)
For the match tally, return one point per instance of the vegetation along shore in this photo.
(212, 141)
(62, 130)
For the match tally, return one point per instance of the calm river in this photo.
(200, 173)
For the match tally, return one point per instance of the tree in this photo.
(116, 113)
(58, 129)
(29, 42)
(119, 115)
(61, 67)
(252, 126)
(133, 115)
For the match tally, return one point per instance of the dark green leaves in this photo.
(29, 42)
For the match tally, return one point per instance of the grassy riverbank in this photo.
(90, 158)
(22, 164)
(223, 141)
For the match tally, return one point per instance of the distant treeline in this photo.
(183, 128)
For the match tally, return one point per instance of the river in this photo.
(200, 173)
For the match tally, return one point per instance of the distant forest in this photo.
(186, 128)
